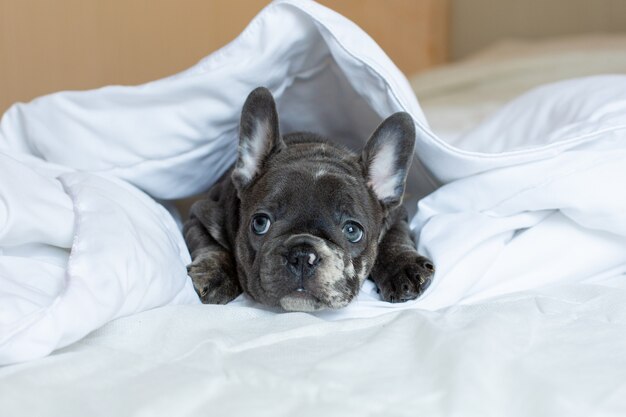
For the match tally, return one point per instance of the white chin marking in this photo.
(383, 178)
(300, 301)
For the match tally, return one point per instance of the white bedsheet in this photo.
(557, 352)
(526, 315)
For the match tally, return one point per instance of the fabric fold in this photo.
(532, 197)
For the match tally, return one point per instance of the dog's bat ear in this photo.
(387, 157)
(258, 136)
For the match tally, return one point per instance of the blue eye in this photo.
(353, 232)
(261, 224)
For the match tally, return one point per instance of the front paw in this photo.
(405, 278)
(214, 278)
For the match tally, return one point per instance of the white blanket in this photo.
(532, 197)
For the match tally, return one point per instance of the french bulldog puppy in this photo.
(299, 222)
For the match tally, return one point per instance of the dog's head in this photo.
(311, 213)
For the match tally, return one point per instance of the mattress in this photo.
(546, 347)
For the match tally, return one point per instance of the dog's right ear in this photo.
(258, 136)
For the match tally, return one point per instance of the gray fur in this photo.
(309, 188)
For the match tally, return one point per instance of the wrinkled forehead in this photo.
(315, 188)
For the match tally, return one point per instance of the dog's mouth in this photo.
(306, 273)
(301, 300)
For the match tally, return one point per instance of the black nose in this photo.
(302, 260)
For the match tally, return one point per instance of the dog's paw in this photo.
(214, 278)
(410, 274)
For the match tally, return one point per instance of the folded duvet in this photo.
(534, 196)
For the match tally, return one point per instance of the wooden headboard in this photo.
(47, 46)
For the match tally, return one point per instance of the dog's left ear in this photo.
(387, 157)
(258, 136)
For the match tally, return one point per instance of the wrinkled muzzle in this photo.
(306, 273)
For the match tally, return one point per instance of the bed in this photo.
(515, 325)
